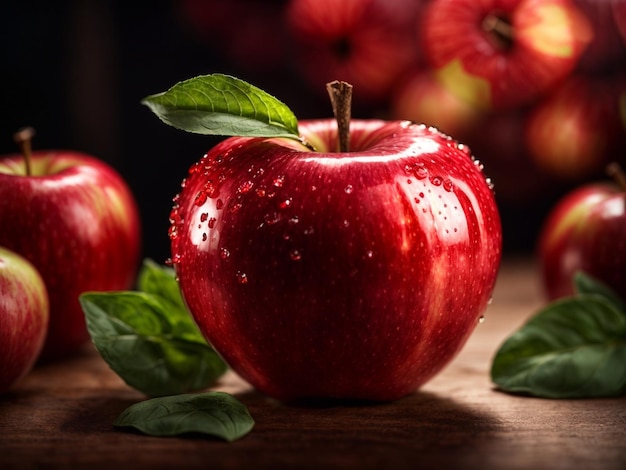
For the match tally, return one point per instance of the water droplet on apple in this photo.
(260, 192)
(463, 148)
(204, 237)
(212, 221)
(173, 232)
(204, 217)
(436, 181)
(294, 220)
(272, 218)
(346, 223)
(235, 207)
(369, 254)
(245, 187)
(201, 198)
(285, 204)
(309, 231)
(219, 204)
(279, 181)
(242, 278)
(489, 183)
(421, 173)
(448, 185)
(295, 255)
(224, 253)
(479, 165)
(481, 319)
(348, 189)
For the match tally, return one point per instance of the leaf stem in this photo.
(614, 170)
(23, 139)
(341, 99)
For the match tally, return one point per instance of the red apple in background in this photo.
(365, 42)
(248, 33)
(354, 275)
(607, 51)
(423, 98)
(503, 53)
(585, 231)
(75, 219)
(23, 317)
(576, 131)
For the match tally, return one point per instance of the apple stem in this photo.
(23, 139)
(341, 98)
(501, 29)
(615, 171)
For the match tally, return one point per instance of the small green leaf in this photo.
(585, 284)
(574, 348)
(135, 334)
(160, 281)
(223, 105)
(217, 414)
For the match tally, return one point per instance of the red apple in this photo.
(423, 98)
(368, 43)
(576, 131)
(23, 317)
(354, 275)
(585, 231)
(503, 53)
(256, 43)
(607, 51)
(75, 219)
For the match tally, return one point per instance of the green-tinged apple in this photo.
(352, 266)
(421, 97)
(576, 131)
(23, 317)
(503, 53)
(75, 219)
(586, 231)
(368, 43)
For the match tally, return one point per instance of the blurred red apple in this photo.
(423, 98)
(503, 53)
(23, 317)
(607, 51)
(585, 231)
(575, 131)
(368, 43)
(75, 219)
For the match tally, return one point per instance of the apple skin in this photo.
(491, 70)
(354, 275)
(24, 315)
(586, 230)
(76, 220)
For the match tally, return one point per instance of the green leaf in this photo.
(217, 414)
(135, 334)
(574, 348)
(223, 105)
(161, 281)
(585, 284)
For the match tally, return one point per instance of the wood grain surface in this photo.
(60, 416)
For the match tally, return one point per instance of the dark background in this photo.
(77, 70)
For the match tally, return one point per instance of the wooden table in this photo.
(61, 415)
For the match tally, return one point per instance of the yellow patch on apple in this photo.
(554, 30)
(470, 88)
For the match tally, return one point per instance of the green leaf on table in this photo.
(216, 414)
(573, 348)
(223, 105)
(586, 284)
(142, 342)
